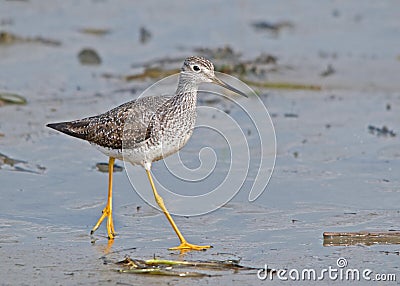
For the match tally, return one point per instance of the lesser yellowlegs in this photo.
(146, 130)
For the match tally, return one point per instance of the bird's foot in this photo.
(107, 213)
(188, 246)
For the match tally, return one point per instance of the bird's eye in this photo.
(196, 68)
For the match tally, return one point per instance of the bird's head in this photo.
(200, 70)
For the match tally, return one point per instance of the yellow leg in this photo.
(107, 212)
(184, 244)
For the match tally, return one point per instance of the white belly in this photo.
(145, 154)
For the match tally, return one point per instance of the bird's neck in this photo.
(187, 89)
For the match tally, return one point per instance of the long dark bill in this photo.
(227, 86)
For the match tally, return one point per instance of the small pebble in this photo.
(103, 167)
(89, 57)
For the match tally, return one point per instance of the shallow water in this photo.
(331, 173)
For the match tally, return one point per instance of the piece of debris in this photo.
(281, 85)
(7, 38)
(266, 59)
(329, 71)
(384, 131)
(361, 237)
(144, 35)
(89, 56)
(95, 31)
(177, 268)
(103, 167)
(8, 163)
(154, 73)
(272, 27)
(11, 98)
(390, 252)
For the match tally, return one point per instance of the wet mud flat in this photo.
(334, 104)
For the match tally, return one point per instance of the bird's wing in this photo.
(128, 121)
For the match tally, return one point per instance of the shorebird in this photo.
(146, 130)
